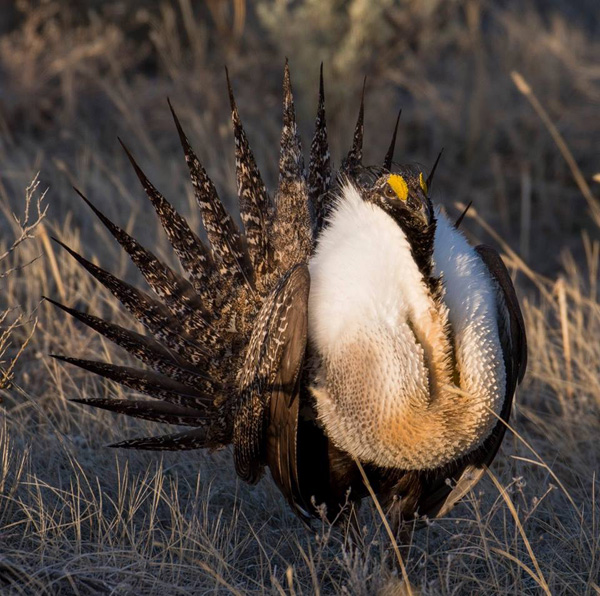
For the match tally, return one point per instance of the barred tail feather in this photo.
(193, 439)
(147, 350)
(353, 160)
(176, 292)
(147, 410)
(319, 168)
(144, 381)
(291, 160)
(150, 312)
(256, 208)
(228, 245)
(293, 237)
(193, 255)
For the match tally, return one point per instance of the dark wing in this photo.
(282, 432)
(468, 473)
(267, 413)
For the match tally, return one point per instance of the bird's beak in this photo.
(425, 211)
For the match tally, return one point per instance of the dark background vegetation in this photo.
(76, 518)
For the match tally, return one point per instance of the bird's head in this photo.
(405, 198)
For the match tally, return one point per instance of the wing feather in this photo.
(272, 364)
(282, 432)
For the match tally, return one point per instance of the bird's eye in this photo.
(389, 192)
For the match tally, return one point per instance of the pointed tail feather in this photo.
(319, 168)
(191, 251)
(225, 239)
(147, 410)
(144, 381)
(176, 293)
(255, 205)
(353, 160)
(155, 316)
(291, 160)
(293, 231)
(193, 439)
(147, 350)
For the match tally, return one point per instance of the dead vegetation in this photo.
(10, 318)
(78, 518)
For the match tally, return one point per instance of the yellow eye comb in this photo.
(399, 186)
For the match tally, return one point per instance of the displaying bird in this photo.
(349, 325)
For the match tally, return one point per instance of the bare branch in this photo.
(27, 225)
(33, 214)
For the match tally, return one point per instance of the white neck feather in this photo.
(362, 271)
(381, 391)
(470, 296)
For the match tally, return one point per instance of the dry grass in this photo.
(79, 518)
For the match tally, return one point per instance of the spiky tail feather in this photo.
(217, 336)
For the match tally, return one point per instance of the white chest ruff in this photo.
(369, 312)
(362, 273)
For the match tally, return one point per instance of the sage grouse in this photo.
(349, 323)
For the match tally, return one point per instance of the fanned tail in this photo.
(224, 342)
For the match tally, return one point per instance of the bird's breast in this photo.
(363, 276)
